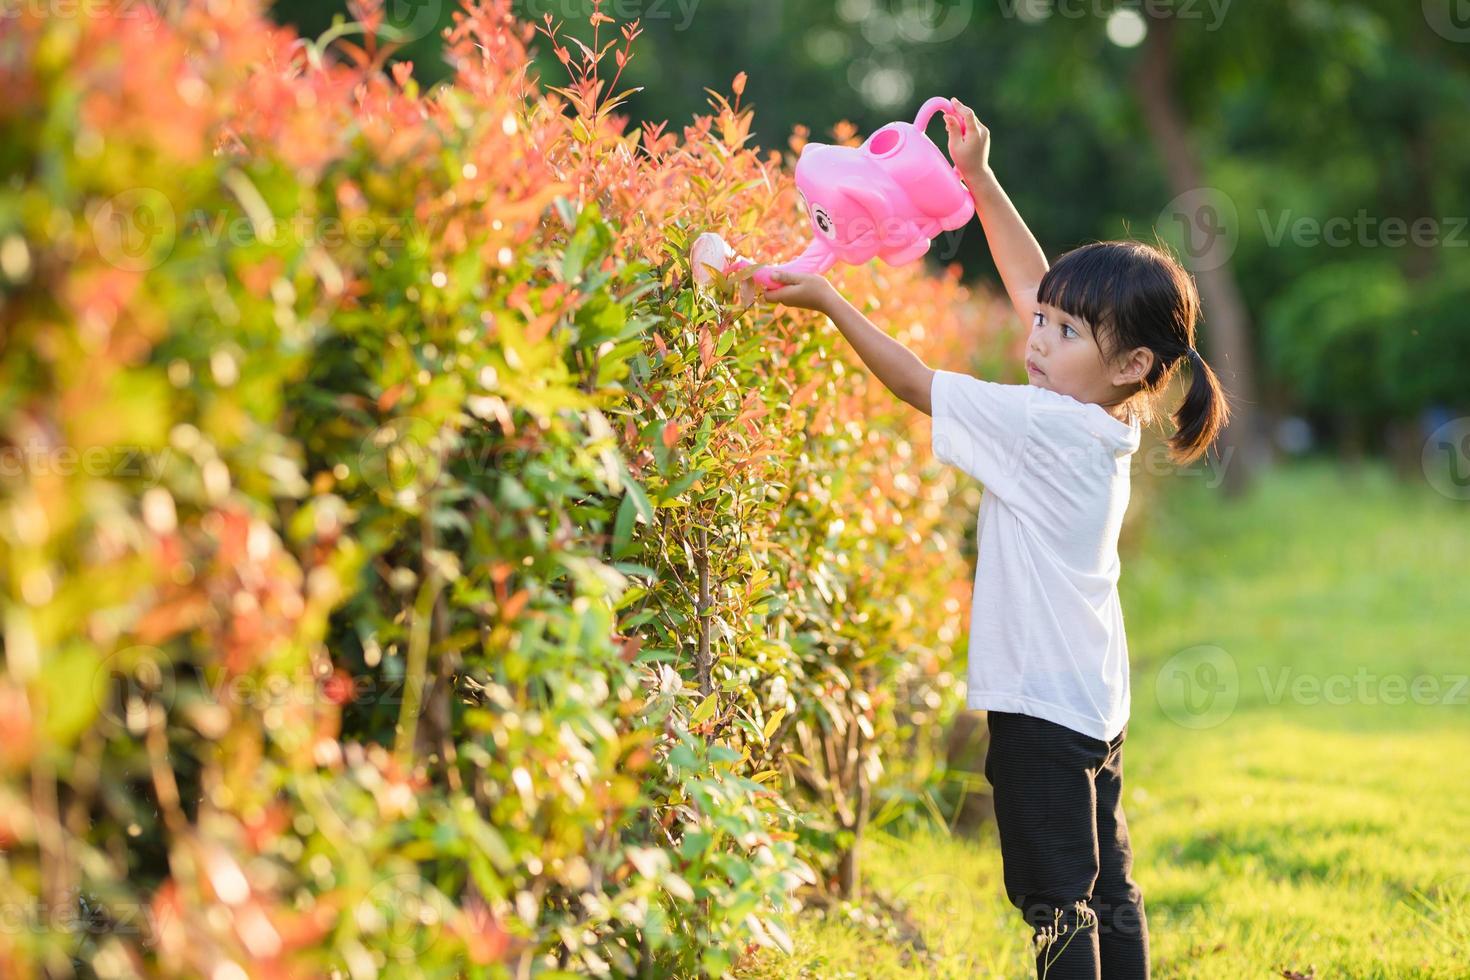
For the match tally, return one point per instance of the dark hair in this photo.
(1138, 295)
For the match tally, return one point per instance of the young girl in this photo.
(1111, 324)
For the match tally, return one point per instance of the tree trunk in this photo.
(835, 772)
(1405, 443)
(849, 873)
(966, 745)
(852, 775)
(1352, 442)
(1228, 342)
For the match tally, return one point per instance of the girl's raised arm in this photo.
(1017, 255)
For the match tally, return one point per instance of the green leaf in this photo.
(706, 709)
(74, 671)
(680, 485)
(567, 210)
(640, 499)
(683, 760)
(773, 721)
(677, 887)
(575, 255)
(722, 346)
(623, 525)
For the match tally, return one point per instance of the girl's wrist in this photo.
(979, 179)
(830, 298)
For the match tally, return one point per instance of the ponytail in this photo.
(1201, 415)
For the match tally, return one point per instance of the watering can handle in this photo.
(937, 104)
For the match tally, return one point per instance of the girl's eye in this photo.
(1039, 319)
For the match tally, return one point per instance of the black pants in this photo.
(1064, 841)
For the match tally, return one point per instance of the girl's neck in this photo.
(1124, 411)
(1130, 408)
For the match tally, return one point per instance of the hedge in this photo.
(405, 571)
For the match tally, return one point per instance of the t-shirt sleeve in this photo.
(981, 427)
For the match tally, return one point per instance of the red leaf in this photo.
(752, 408)
(340, 687)
(389, 398)
(629, 647)
(706, 348)
(514, 605)
(804, 393)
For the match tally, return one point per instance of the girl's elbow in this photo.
(918, 391)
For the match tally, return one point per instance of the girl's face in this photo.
(1063, 355)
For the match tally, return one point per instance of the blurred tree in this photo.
(1228, 337)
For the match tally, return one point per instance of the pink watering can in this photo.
(886, 198)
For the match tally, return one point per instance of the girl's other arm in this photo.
(1019, 258)
(895, 365)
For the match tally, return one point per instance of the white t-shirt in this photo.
(1046, 625)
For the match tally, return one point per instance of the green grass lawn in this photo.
(1297, 767)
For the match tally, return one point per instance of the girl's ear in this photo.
(1135, 368)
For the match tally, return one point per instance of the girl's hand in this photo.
(806, 291)
(970, 152)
